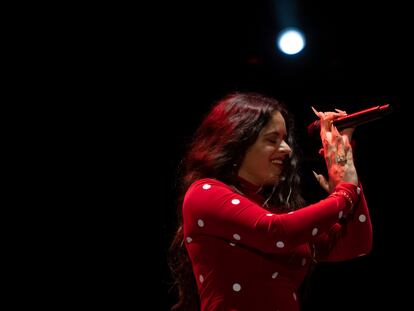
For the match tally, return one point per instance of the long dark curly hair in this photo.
(217, 150)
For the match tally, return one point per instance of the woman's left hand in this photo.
(333, 144)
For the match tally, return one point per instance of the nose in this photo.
(285, 148)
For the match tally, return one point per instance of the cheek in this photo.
(268, 152)
(260, 156)
(264, 155)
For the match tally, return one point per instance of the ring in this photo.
(340, 160)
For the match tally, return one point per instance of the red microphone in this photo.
(353, 119)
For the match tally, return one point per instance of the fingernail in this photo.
(316, 175)
(339, 110)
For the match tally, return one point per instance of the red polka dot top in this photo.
(245, 257)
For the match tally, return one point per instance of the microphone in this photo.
(353, 119)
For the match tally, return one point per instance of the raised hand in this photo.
(337, 152)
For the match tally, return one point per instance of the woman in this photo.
(246, 239)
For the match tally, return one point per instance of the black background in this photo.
(357, 56)
(172, 60)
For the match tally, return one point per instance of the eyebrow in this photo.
(275, 133)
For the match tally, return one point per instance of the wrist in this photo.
(349, 191)
(346, 196)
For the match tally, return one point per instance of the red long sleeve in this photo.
(350, 239)
(246, 258)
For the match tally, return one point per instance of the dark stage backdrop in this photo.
(128, 86)
(355, 58)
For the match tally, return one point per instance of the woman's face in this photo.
(263, 162)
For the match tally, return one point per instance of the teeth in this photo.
(277, 161)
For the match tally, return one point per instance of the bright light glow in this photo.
(291, 41)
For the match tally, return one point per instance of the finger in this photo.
(322, 181)
(319, 114)
(326, 122)
(329, 136)
(329, 147)
(330, 153)
(333, 150)
(342, 112)
(341, 147)
(321, 152)
(348, 132)
(340, 144)
(340, 155)
(330, 115)
(348, 149)
(335, 131)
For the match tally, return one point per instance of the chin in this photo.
(273, 180)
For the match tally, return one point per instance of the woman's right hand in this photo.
(337, 152)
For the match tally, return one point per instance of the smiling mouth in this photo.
(276, 161)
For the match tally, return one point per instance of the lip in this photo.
(277, 161)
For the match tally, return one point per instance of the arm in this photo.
(213, 209)
(353, 236)
(348, 240)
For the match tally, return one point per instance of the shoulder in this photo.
(208, 184)
(206, 189)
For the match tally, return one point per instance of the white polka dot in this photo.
(314, 231)
(280, 244)
(303, 261)
(232, 244)
(269, 214)
(201, 278)
(362, 218)
(200, 223)
(189, 239)
(274, 275)
(294, 296)
(290, 212)
(235, 201)
(236, 287)
(206, 186)
(340, 214)
(358, 190)
(236, 237)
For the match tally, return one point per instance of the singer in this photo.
(246, 239)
